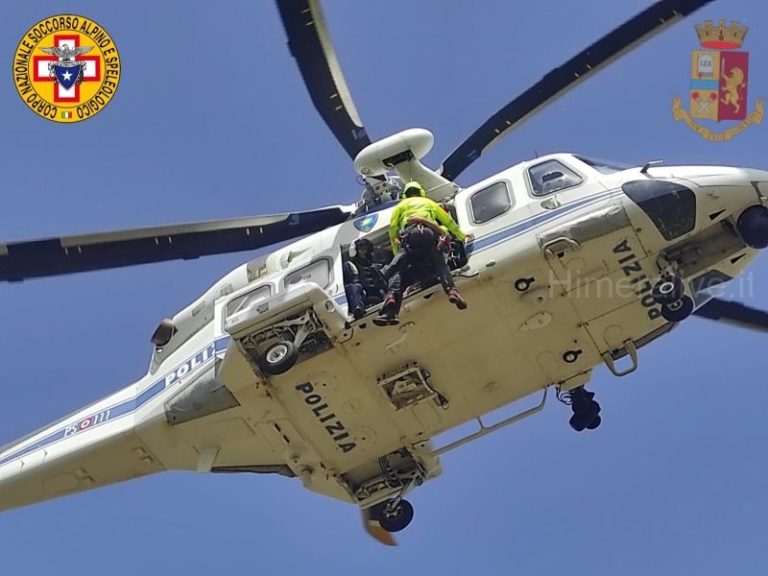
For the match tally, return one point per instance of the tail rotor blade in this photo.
(557, 82)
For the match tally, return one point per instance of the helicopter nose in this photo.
(752, 222)
(739, 195)
(683, 200)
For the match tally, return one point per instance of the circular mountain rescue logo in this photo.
(66, 68)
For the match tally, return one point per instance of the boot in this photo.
(388, 313)
(455, 298)
(358, 312)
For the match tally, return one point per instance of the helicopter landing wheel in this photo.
(668, 290)
(678, 310)
(279, 357)
(586, 411)
(596, 421)
(394, 517)
(586, 420)
(580, 422)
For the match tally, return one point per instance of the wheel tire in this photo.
(596, 421)
(677, 311)
(279, 357)
(398, 519)
(585, 410)
(578, 422)
(668, 290)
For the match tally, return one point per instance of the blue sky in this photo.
(211, 120)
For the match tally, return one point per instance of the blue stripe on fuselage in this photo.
(127, 406)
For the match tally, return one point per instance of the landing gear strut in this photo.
(586, 412)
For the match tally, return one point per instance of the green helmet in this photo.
(413, 184)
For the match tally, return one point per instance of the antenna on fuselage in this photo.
(644, 169)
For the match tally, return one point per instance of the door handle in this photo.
(559, 247)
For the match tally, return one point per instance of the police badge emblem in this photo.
(366, 223)
(719, 78)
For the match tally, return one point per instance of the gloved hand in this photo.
(444, 243)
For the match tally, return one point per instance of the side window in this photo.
(490, 202)
(248, 300)
(552, 176)
(318, 272)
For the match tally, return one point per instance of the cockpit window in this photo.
(552, 176)
(604, 166)
(490, 202)
(671, 206)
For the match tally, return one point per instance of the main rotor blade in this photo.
(557, 82)
(311, 46)
(734, 313)
(65, 255)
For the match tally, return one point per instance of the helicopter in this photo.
(545, 231)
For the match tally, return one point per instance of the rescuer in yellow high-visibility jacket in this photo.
(418, 228)
(417, 208)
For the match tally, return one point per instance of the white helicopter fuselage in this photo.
(558, 281)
